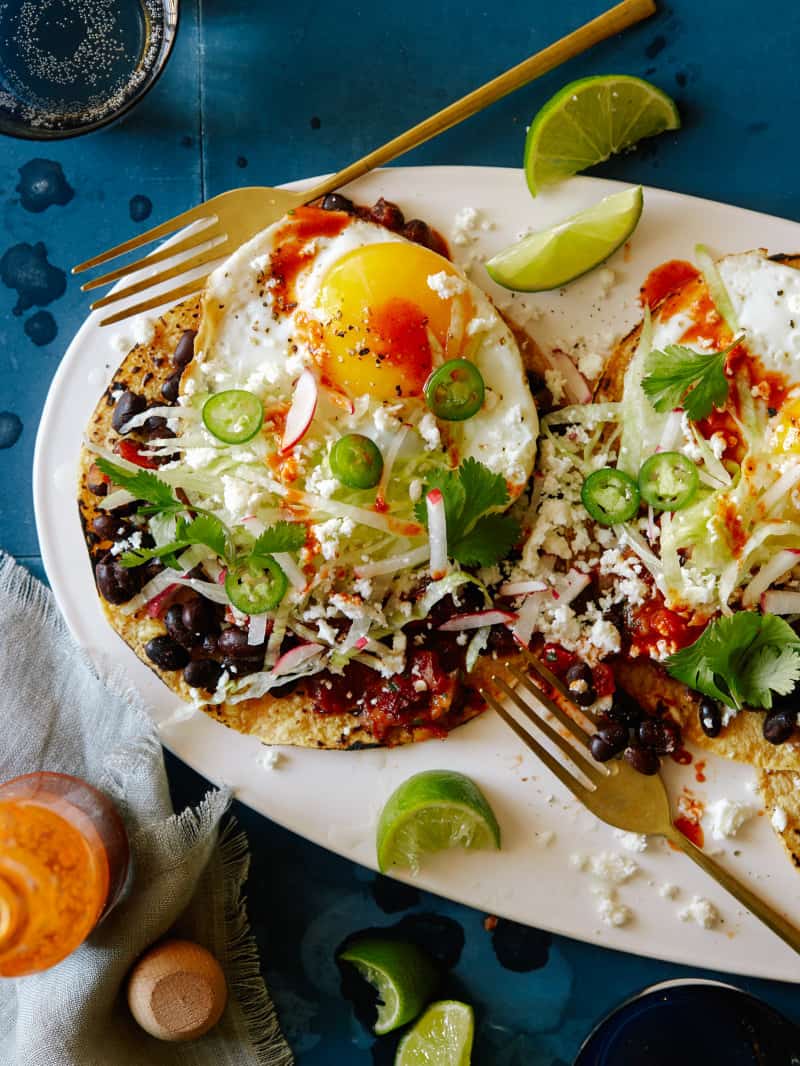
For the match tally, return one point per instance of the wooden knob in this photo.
(177, 990)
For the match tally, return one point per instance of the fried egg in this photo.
(371, 315)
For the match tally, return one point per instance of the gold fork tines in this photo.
(234, 217)
(616, 793)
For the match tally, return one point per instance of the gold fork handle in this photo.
(771, 918)
(613, 21)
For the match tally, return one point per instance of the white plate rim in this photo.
(774, 964)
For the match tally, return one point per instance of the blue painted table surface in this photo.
(265, 93)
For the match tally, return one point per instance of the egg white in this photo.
(246, 343)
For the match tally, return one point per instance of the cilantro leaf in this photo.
(205, 529)
(476, 536)
(490, 539)
(143, 484)
(483, 490)
(282, 537)
(681, 377)
(741, 660)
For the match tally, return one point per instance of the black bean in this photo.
(170, 388)
(240, 667)
(334, 201)
(166, 653)
(387, 214)
(150, 569)
(624, 709)
(117, 584)
(173, 620)
(661, 735)
(601, 750)
(199, 617)
(184, 350)
(128, 405)
(581, 684)
(110, 527)
(613, 733)
(644, 760)
(202, 673)
(232, 643)
(209, 644)
(779, 725)
(96, 481)
(710, 715)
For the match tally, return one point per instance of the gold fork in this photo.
(225, 222)
(616, 794)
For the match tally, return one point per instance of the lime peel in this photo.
(432, 811)
(553, 257)
(402, 974)
(590, 120)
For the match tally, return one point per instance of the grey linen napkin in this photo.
(57, 714)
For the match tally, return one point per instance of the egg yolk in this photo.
(786, 433)
(383, 322)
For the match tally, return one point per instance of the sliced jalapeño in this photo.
(356, 461)
(233, 416)
(610, 496)
(256, 586)
(455, 390)
(668, 481)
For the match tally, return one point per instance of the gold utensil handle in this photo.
(776, 922)
(613, 21)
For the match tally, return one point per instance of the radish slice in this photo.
(154, 587)
(781, 601)
(576, 385)
(159, 602)
(521, 588)
(295, 657)
(782, 487)
(301, 413)
(476, 620)
(257, 629)
(357, 635)
(770, 572)
(437, 533)
(291, 569)
(406, 561)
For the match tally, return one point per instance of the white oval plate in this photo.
(333, 798)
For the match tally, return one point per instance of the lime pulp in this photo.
(402, 974)
(432, 811)
(442, 1037)
(553, 257)
(591, 119)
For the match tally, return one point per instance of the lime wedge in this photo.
(591, 119)
(433, 810)
(552, 257)
(442, 1037)
(402, 974)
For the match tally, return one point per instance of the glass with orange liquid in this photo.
(63, 864)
